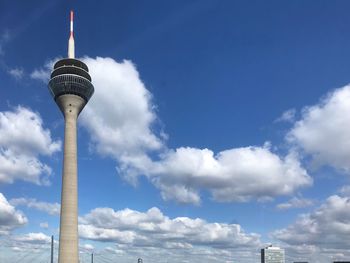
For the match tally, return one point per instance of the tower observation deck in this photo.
(71, 76)
(70, 86)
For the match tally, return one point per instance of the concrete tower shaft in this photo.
(71, 87)
(70, 105)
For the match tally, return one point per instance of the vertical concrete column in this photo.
(71, 106)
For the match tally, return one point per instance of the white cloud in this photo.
(155, 237)
(33, 238)
(20, 167)
(345, 190)
(44, 225)
(197, 254)
(19, 149)
(321, 235)
(328, 227)
(120, 117)
(10, 218)
(114, 251)
(43, 73)
(153, 229)
(238, 174)
(28, 247)
(50, 208)
(14, 127)
(324, 130)
(120, 114)
(287, 116)
(17, 73)
(87, 247)
(312, 253)
(179, 192)
(295, 202)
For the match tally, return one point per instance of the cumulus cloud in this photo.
(29, 243)
(10, 218)
(295, 202)
(19, 167)
(324, 131)
(87, 247)
(50, 208)
(30, 247)
(19, 149)
(40, 74)
(120, 119)
(33, 238)
(327, 227)
(120, 114)
(197, 254)
(312, 253)
(238, 174)
(43, 74)
(153, 229)
(321, 235)
(154, 236)
(344, 190)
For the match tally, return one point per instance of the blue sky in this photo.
(216, 128)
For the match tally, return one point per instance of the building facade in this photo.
(272, 255)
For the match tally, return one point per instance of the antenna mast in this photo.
(71, 38)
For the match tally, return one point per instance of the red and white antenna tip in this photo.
(71, 22)
(71, 52)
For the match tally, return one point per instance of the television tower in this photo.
(71, 88)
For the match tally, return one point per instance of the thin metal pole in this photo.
(92, 257)
(52, 249)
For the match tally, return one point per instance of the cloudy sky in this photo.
(216, 128)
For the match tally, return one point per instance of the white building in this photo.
(272, 254)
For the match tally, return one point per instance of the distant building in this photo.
(272, 255)
(139, 260)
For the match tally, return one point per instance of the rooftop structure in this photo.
(272, 254)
